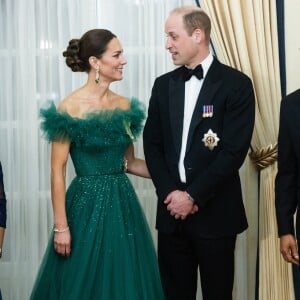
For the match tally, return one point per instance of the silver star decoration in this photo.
(210, 139)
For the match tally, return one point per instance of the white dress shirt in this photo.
(192, 90)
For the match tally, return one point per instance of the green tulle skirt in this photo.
(113, 257)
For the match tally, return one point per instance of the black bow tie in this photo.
(188, 73)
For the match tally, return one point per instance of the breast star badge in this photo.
(210, 139)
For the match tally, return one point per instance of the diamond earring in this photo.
(97, 76)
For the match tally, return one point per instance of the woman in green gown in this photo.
(101, 246)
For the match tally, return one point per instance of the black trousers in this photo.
(180, 256)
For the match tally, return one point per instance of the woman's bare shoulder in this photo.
(121, 102)
(70, 104)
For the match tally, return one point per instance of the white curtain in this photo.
(32, 37)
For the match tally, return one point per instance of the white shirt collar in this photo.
(206, 63)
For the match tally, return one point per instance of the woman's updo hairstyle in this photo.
(93, 43)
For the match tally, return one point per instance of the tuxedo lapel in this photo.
(176, 109)
(206, 97)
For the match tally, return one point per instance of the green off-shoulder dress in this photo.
(112, 256)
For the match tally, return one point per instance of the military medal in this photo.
(207, 111)
(210, 139)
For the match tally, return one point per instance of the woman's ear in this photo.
(94, 62)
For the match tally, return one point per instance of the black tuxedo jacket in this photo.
(212, 176)
(287, 183)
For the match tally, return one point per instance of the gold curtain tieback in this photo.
(264, 157)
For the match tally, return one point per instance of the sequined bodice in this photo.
(105, 161)
(99, 141)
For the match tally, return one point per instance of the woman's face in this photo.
(112, 61)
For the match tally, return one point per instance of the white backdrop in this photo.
(32, 37)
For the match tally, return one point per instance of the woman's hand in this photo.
(62, 243)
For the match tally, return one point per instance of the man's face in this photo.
(180, 44)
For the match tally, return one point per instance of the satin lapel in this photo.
(206, 97)
(176, 108)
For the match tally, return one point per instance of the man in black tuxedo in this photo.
(287, 183)
(196, 137)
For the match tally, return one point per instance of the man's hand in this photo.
(179, 205)
(289, 249)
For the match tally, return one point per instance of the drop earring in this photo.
(97, 76)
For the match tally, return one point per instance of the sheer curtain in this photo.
(32, 37)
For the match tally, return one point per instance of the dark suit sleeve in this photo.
(154, 149)
(2, 201)
(286, 179)
(235, 141)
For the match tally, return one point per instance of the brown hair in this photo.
(193, 18)
(93, 43)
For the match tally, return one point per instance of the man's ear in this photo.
(198, 35)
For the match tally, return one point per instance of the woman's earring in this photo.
(97, 76)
